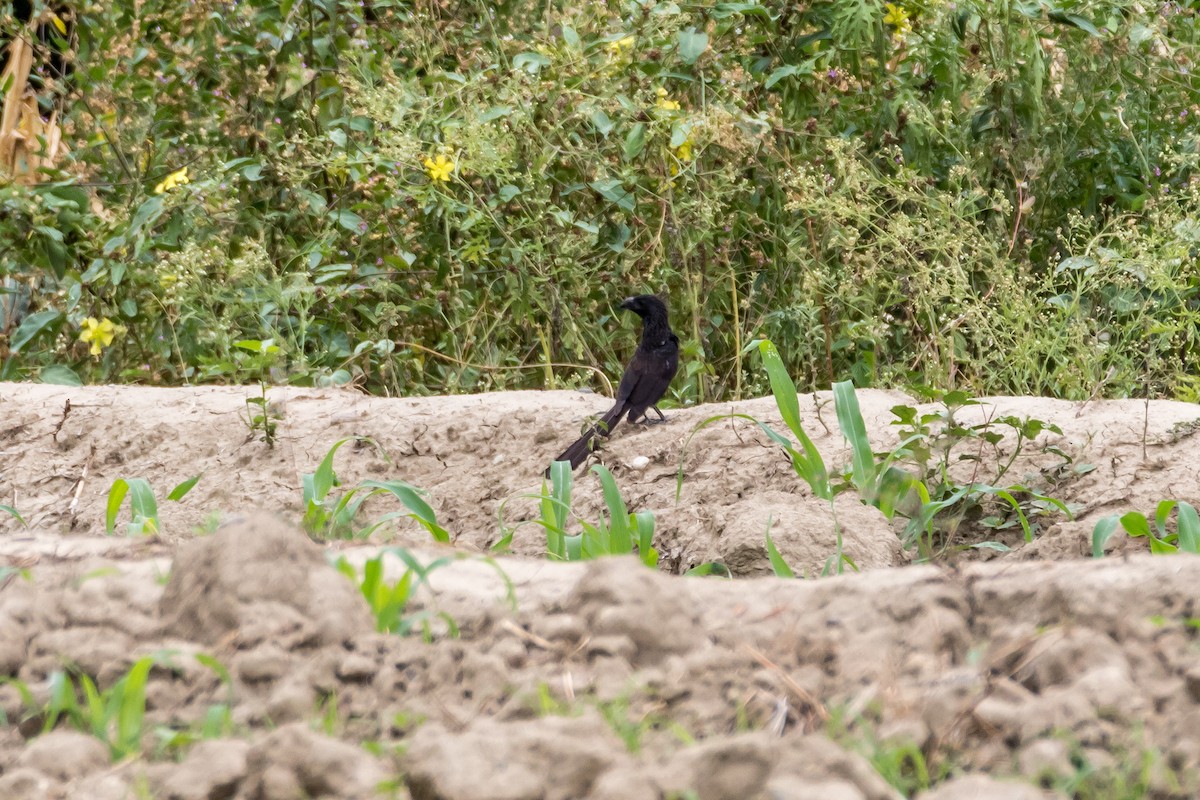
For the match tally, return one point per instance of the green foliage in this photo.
(326, 517)
(115, 715)
(389, 601)
(143, 506)
(973, 195)
(914, 479)
(1185, 538)
(619, 534)
(778, 565)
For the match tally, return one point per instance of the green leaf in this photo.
(143, 506)
(531, 62)
(788, 71)
(635, 141)
(778, 565)
(614, 191)
(410, 497)
(691, 44)
(147, 213)
(132, 708)
(349, 220)
(1188, 528)
(116, 495)
(710, 568)
(850, 419)
(12, 512)
(182, 489)
(808, 464)
(60, 375)
(36, 324)
(601, 122)
(1075, 21)
(619, 541)
(1103, 531)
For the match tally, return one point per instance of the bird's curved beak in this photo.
(627, 303)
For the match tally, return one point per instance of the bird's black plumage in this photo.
(646, 377)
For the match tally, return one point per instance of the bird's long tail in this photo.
(578, 452)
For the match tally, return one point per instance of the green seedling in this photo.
(261, 418)
(142, 505)
(12, 512)
(622, 533)
(115, 716)
(217, 722)
(1185, 538)
(389, 601)
(328, 517)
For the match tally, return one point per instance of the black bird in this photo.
(646, 377)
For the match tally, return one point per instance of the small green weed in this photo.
(218, 718)
(329, 518)
(1137, 770)
(900, 762)
(142, 505)
(116, 715)
(261, 419)
(1185, 538)
(389, 601)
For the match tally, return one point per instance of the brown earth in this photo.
(1009, 672)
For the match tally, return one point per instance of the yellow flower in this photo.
(897, 18)
(176, 178)
(616, 47)
(664, 102)
(439, 169)
(100, 334)
(684, 151)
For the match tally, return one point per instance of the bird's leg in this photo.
(644, 419)
(661, 419)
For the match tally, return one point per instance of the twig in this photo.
(799, 691)
(79, 484)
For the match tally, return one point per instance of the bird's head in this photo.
(644, 304)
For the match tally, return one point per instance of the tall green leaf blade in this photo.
(116, 495)
(778, 565)
(133, 707)
(644, 522)
(809, 464)
(616, 538)
(1189, 528)
(850, 419)
(1102, 532)
(142, 503)
(410, 497)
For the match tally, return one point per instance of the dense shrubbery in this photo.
(994, 195)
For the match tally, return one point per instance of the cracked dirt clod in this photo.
(264, 580)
